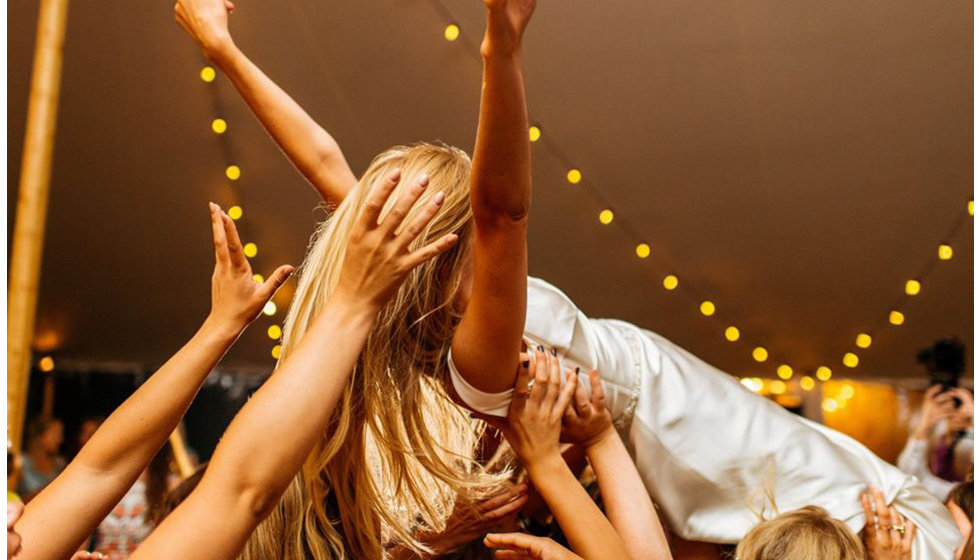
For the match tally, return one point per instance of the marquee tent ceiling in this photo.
(795, 161)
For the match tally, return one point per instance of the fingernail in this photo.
(578, 370)
(424, 179)
(540, 348)
(554, 352)
(438, 198)
(526, 364)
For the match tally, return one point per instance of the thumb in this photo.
(275, 281)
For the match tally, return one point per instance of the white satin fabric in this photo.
(706, 447)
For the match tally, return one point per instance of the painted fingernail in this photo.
(439, 198)
(554, 352)
(540, 348)
(578, 370)
(424, 179)
(526, 364)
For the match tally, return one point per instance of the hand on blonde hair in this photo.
(523, 546)
(534, 418)
(379, 256)
(887, 534)
(467, 524)
(236, 298)
(587, 421)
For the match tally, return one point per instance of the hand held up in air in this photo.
(535, 415)
(236, 298)
(887, 534)
(379, 255)
(518, 546)
(506, 22)
(587, 421)
(206, 21)
(936, 406)
(467, 524)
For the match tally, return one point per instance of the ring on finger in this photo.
(898, 529)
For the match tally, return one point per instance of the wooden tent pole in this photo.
(32, 203)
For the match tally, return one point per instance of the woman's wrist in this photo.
(225, 330)
(544, 466)
(600, 442)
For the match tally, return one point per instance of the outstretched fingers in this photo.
(236, 253)
(565, 396)
(376, 199)
(525, 373)
(406, 200)
(437, 247)
(419, 223)
(218, 233)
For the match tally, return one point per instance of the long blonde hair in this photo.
(808, 533)
(398, 453)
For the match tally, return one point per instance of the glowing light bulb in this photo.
(274, 332)
(276, 351)
(258, 278)
(233, 172)
(534, 133)
(671, 282)
(777, 387)
(707, 308)
(732, 334)
(829, 405)
(913, 287)
(452, 32)
(969, 207)
(235, 212)
(219, 126)
(847, 391)
(606, 217)
(208, 74)
(760, 354)
(269, 308)
(824, 373)
(574, 176)
(851, 360)
(945, 252)
(46, 364)
(863, 340)
(250, 250)
(784, 372)
(643, 250)
(807, 383)
(896, 318)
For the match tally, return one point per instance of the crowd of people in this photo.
(433, 401)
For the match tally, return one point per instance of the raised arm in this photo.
(311, 149)
(534, 424)
(267, 442)
(65, 513)
(488, 340)
(626, 500)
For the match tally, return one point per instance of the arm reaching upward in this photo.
(311, 149)
(65, 513)
(266, 443)
(488, 340)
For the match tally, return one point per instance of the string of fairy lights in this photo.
(233, 174)
(670, 281)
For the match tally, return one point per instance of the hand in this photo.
(84, 555)
(534, 418)
(935, 407)
(206, 21)
(506, 22)
(587, 421)
(467, 524)
(523, 546)
(14, 509)
(378, 256)
(965, 409)
(887, 535)
(236, 298)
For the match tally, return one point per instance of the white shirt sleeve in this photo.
(494, 404)
(914, 460)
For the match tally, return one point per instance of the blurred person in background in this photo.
(85, 431)
(959, 502)
(42, 461)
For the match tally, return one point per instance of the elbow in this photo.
(501, 215)
(258, 502)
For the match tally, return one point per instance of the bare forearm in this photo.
(626, 500)
(589, 533)
(308, 146)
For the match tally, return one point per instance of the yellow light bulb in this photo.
(274, 332)
(219, 126)
(235, 212)
(573, 176)
(276, 351)
(896, 318)
(863, 340)
(233, 172)
(269, 308)
(913, 287)
(250, 250)
(945, 252)
(670, 282)
(46, 364)
(258, 278)
(208, 74)
(824, 373)
(807, 383)
(732, 334)
(643, 250)
(606, 217)
(777, 387)
(851, 360)
(847, 391)
(829, 405)
(534, 133)
(707, 308)
(452, 32)
(969, 207)
(760, 354)
(784, 372)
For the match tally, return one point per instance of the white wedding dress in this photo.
(706, 447)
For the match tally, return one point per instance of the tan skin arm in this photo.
(65, 513)
(312, 149)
